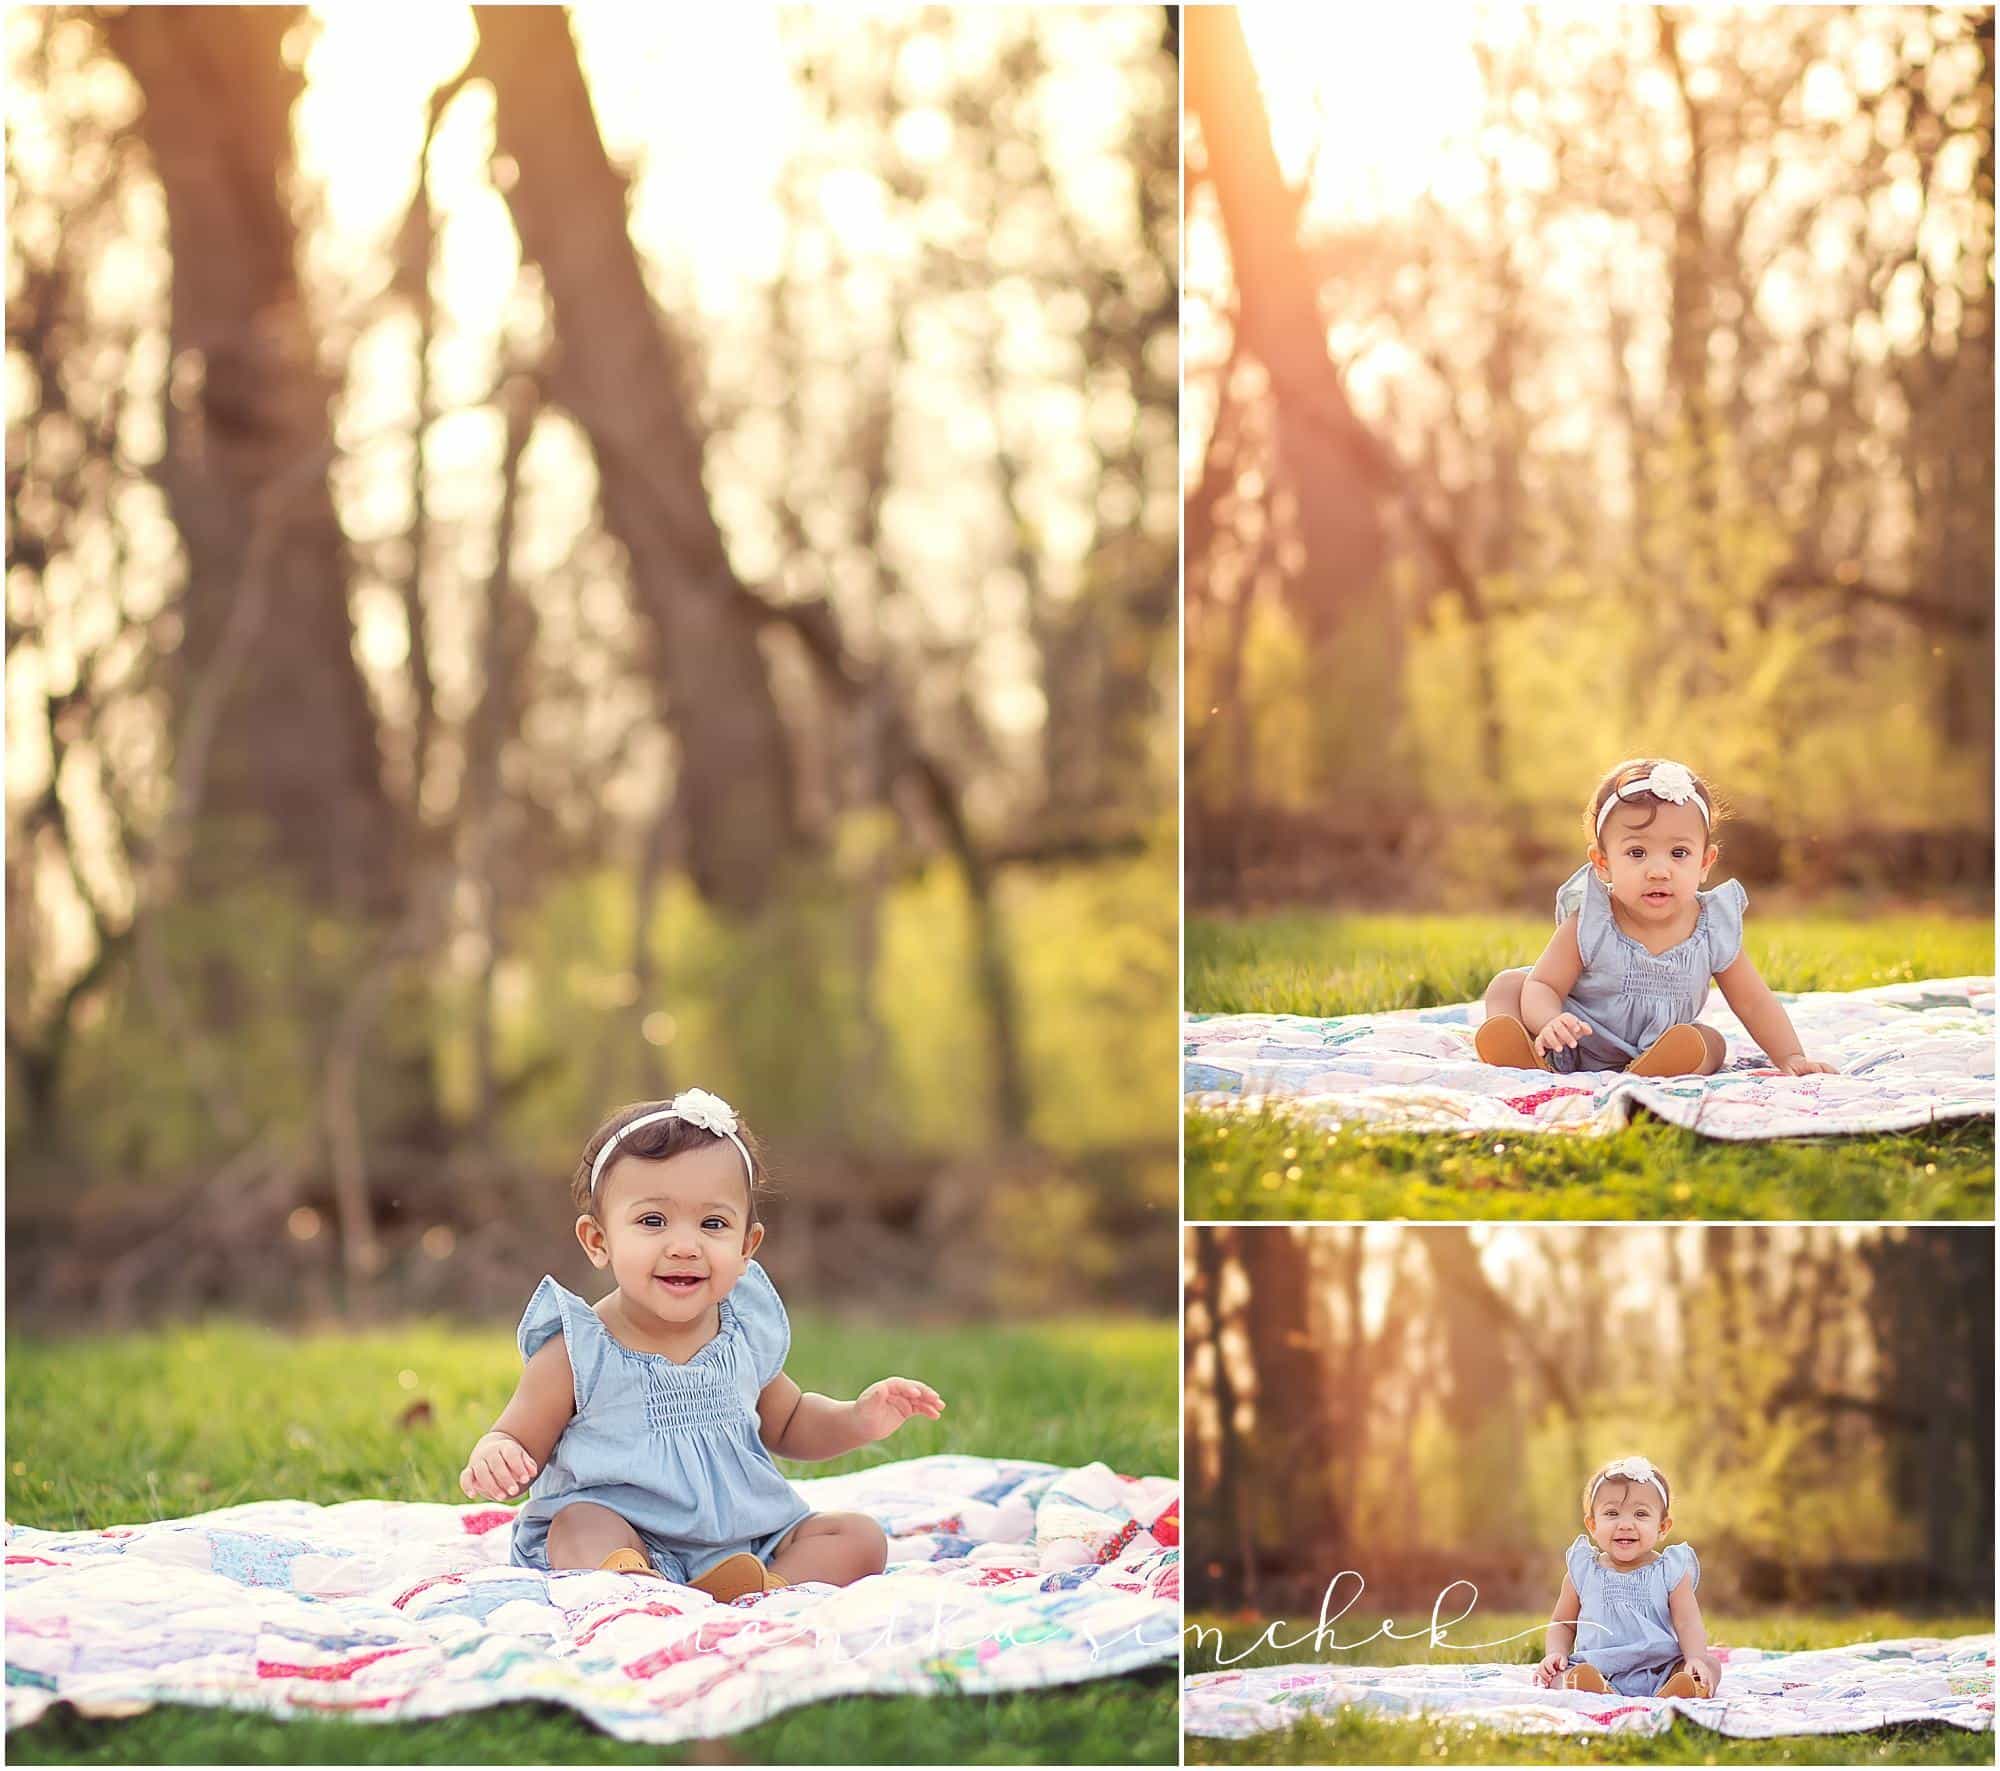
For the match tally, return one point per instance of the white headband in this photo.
(1628, 1469)
(1673, 782)
(697, 1107)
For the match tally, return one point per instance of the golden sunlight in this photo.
(1367, 102)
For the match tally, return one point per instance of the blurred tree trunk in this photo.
(290, 760)
(1481, 1403)
(618, 368)
(1223, 1502)
(1948, 465)
(1292, 1454)
(1331, 467)
(1931, 1309)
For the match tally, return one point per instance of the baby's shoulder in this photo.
(1679, 1562)
(759, 1315)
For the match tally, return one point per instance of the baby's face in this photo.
(1654, 868)
(1626, 1519)
(677, 1234)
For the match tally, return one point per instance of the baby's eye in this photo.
(715, 1223)
(1635, 854)
(651, 1221)
(1682, 854)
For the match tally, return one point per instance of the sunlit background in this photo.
(1609, 381)
(391, 791)
(1423, 1405)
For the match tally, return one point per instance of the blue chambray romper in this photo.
(672, 1448)
(1625, 1629)
(1627, 995)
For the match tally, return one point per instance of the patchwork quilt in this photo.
(1003, 1576)
(1762, 1694)
(1909, 1055)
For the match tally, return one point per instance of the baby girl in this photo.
(644, 1426)
(1627, 1619)
(1622, 982)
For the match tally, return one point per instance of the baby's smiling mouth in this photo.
(681, 1281)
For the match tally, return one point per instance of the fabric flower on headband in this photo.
(711, 1112)
(1673, 782)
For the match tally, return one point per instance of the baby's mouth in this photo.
(680, 1281)
(1658, 897)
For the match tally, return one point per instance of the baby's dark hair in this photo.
(1637, 769)
(657, 1142)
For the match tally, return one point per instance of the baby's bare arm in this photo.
(513, 1450)
(1762, 1014)
(1685, 1611)
(1553, 978)
(802, 1424)
(1562, 1620)
(1562, 1634)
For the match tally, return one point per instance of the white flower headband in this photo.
(1672, 782)
(697, 1107)
(1628, 1469)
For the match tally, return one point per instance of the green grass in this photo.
(1277, 1167)
(128, 1428)
(1355, 1738)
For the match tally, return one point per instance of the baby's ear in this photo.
(590, 1233)
(752, 1241)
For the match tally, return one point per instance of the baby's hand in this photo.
(1564, 1033)
(1798, 1064)
(498, 1469)
(1551, 1669)
(885, 1406)
(1707, 1672)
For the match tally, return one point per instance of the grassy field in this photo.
(139, 1427)
(1352, 1738)
(1240, 1166)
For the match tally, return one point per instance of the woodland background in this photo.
(551, 563)
(1423, 1406)
(1622, 384)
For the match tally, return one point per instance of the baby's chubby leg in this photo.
(1503, 1037)
(584, 1533)
(1718, 1048)
(1503, 995)
(838, 1548)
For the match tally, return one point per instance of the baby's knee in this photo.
(1505, 990)
(865, 1542)
(585, 1527)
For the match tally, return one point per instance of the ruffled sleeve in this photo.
(760, 1315)
(1725, 906)
(551, 1311)
(1582, 895)
(1580, 1558)
(1679, 1559)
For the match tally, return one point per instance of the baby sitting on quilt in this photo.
(1637, 942)
(1627, 1619)
(646, 1423)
